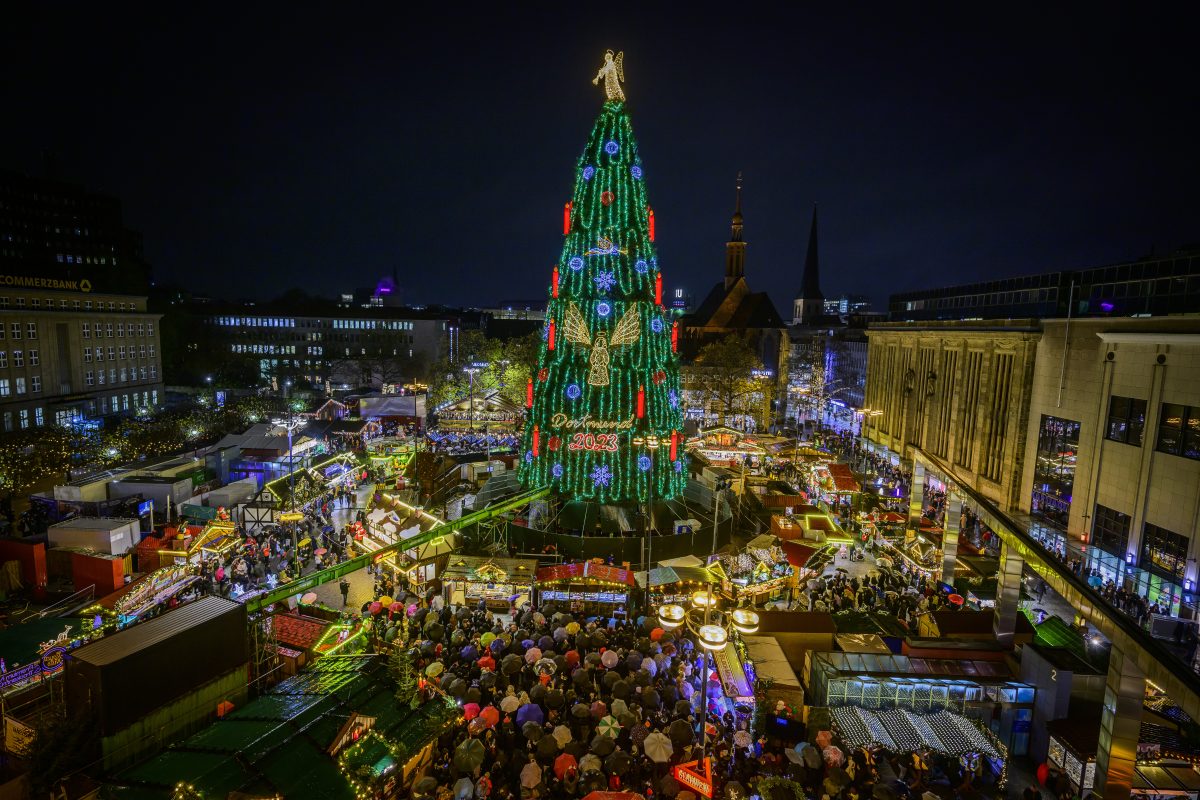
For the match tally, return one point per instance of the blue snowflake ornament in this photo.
(611, 147)
(641, 266)
(636, 172)
(575, 263)
(605, 281)
(679, 466)
(673, 397)
(644, 463)
(603, 309)
(656, 325)
(602, 475)
(557, 470)
(573, 391)
(588, 172)
(528, 456)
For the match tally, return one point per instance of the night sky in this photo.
(261, 149)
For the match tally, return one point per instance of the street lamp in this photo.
(713, 629)
(291, 424)
(652, 443)
(472, 370)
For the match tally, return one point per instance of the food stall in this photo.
(759, 572)
(500, 583)
(389, 456)
(590, 588)
(727, 447)
(668, 584)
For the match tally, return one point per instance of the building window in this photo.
(1110, 531)
(141, 351)
(24, 417)
(87, 355)
(5, 389)
(153, 372)
(112, 354)
(108, 330)
(99, 353)
(20, 384)
(112, 375)
(87, 331)
(99, 330)
(149, 328)
(8, 422)
(121, 352)
(124, 402)
(141, 329)
(121, 329)
(35, 384)
(89, 378)
(31, 330)
(154, 396)
(1179, 431)
(34, 358)
(1163, 552)
(39, 417)
(100, 377)
(87, 305)
(123, 375)
(141, 373)
(18, 358)
(15, 328)
(1126, 418)
(3, 359)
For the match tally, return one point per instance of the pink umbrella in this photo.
(375, 607)
(599, 709)
(610, 658)
(532, 655)
(471, 710)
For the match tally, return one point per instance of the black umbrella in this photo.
(511, 664)
(435, 631)
(603, 745)
(487, 680)
(555, 699)
(468, 756)
(682, 708)
(547, 747)
(580, 711)
(627, 720)
(593, 782)
(458, 638)
(593, 659)
(618, 763)
(622, 690)
(457, 688)
(473, 695)
(642, 678)
(538, 693)
(610, 679)
(532, 731)
(428, 648)
(582, 677)
(560, 662)
(681, 733)
(650, 699)
(575, 748)
(425, 787)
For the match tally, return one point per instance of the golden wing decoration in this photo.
(627, 330)
(574, 328)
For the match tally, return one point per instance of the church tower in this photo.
(809, 304)
(735, 248)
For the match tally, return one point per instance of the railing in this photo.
(68, 603)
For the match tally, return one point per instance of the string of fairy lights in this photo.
(607, 392)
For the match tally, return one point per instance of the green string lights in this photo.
(608, 373)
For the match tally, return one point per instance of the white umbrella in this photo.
(510, 704)
(464, 789)
(589, 763)
(658, 747)
(531, 775)
(562, 734)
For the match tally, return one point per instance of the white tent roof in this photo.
(769, 660)
(682, 561)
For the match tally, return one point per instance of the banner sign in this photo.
(698, 781)
(585, 569)
(18, 737)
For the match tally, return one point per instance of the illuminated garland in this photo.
(607, 369)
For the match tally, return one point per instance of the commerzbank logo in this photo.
(61, 284)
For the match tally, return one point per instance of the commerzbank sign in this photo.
(62, 284)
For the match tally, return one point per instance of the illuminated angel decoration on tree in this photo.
(576, 331)
(613, 73)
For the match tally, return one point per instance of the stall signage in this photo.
(585, 569)
(18, 737)
(698, 781)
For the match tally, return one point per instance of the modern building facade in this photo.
(959, 391)
(1151, 286)
(74, 357)
(54, 229)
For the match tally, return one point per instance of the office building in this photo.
(57, 230)
(1151, 286)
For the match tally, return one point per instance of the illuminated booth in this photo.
(500, 583)
(588, 588)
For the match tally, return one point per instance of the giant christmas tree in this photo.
(604, 408)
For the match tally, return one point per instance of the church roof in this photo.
(736, 307)
(810, 281)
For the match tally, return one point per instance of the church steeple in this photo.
(735, 248)
(809, 303)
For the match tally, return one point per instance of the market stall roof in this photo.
(798, 554)
(843, 479)
(350, 427)
(664, 576)
(478, 568)
(903, 667)
(682, 561)
(583, 570)
(862, 643)
(297, 630)
(763, 541)
(769, 661)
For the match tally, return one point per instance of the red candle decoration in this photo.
(650, 221)
(535, 440)
(641, 402)
(674, 336)
(529, 393)
(550, 337)
(658, 288)
(554, 282)
(674, 444)
(566, 219)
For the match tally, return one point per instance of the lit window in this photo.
(24, 417)
(20, 384)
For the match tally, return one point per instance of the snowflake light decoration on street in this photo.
(557, 470)
(602, 475)
(644, 463)
(603, 309)
(575, 263)
(588, 172)
(612, 148)
(656, 325)
(573, 391)
(641, 266)
(605, 281)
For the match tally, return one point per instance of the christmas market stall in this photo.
(833, 484)
(677, 584)
(483, 409)
(588, 588)
(499, 583)
(389, 456)
(727, 447)
(759, 572)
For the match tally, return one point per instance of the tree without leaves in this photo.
(723, 375)
(510, 363)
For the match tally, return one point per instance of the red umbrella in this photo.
(375, 607)
(599, 709)
(572, 657)
(490, 715)
(487, 662)
(563, 763)
(656, 634)
(320, 551)
(956, 599)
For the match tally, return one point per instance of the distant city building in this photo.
(1151, 286)
(732, 309)
(54, 229)
(518, 309)
(681, 302)
(846, 305)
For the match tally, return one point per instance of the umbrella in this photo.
(425, 787)
(468, 653)
(611, 679)
(576, 748)
(563, 735)
(657, 747)
(572, 628)
(656, 634)
(742, 739)
(681, 732)
(538, 693)
(487, 662)
(547, 746)
(639, 734)
(320, 551)
(469, 755)
(546, 665)
(621, 690)
(435, 631)
(592, 658)
(838, 777)
(618, 763)
(812, 758)
(531, 775)
(668, 786)
(793, 756)
(457, 688)
(458, 638)
(464, 789)
(510, 664)
(309, 598)
(682, 708)
(956, 599)
(530, 713)
(490, 715)
(476, 726)
(555, 699)
(599, 709)
(560, 634)
(435, 669)
(833, 756)
(510, 704)
(572, 658)
(532, 655)
(650, 666)
(609, 726)
(375, 607)
(545, 643)
(734, 790)
(589, 763)
(618, 707)
(531, 731)
(603, 745)
(487, 638)
(580, 711)
(471, 711)
(497, 646)
(609, 659)
(563, 763)
(650, 699)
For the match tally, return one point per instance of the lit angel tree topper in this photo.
(607, 388)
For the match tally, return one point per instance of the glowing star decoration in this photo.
(656, 325)
(644, 463)
(588, 172)
(557, 470)
(636, 172)
(612, 148)
(576, 263)
(604, 247)
(602, 475)
(573, 391)
(605, 281)
(673, 398)
(603, 309)
(613, 73)
(576, 331)
(641, 266)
